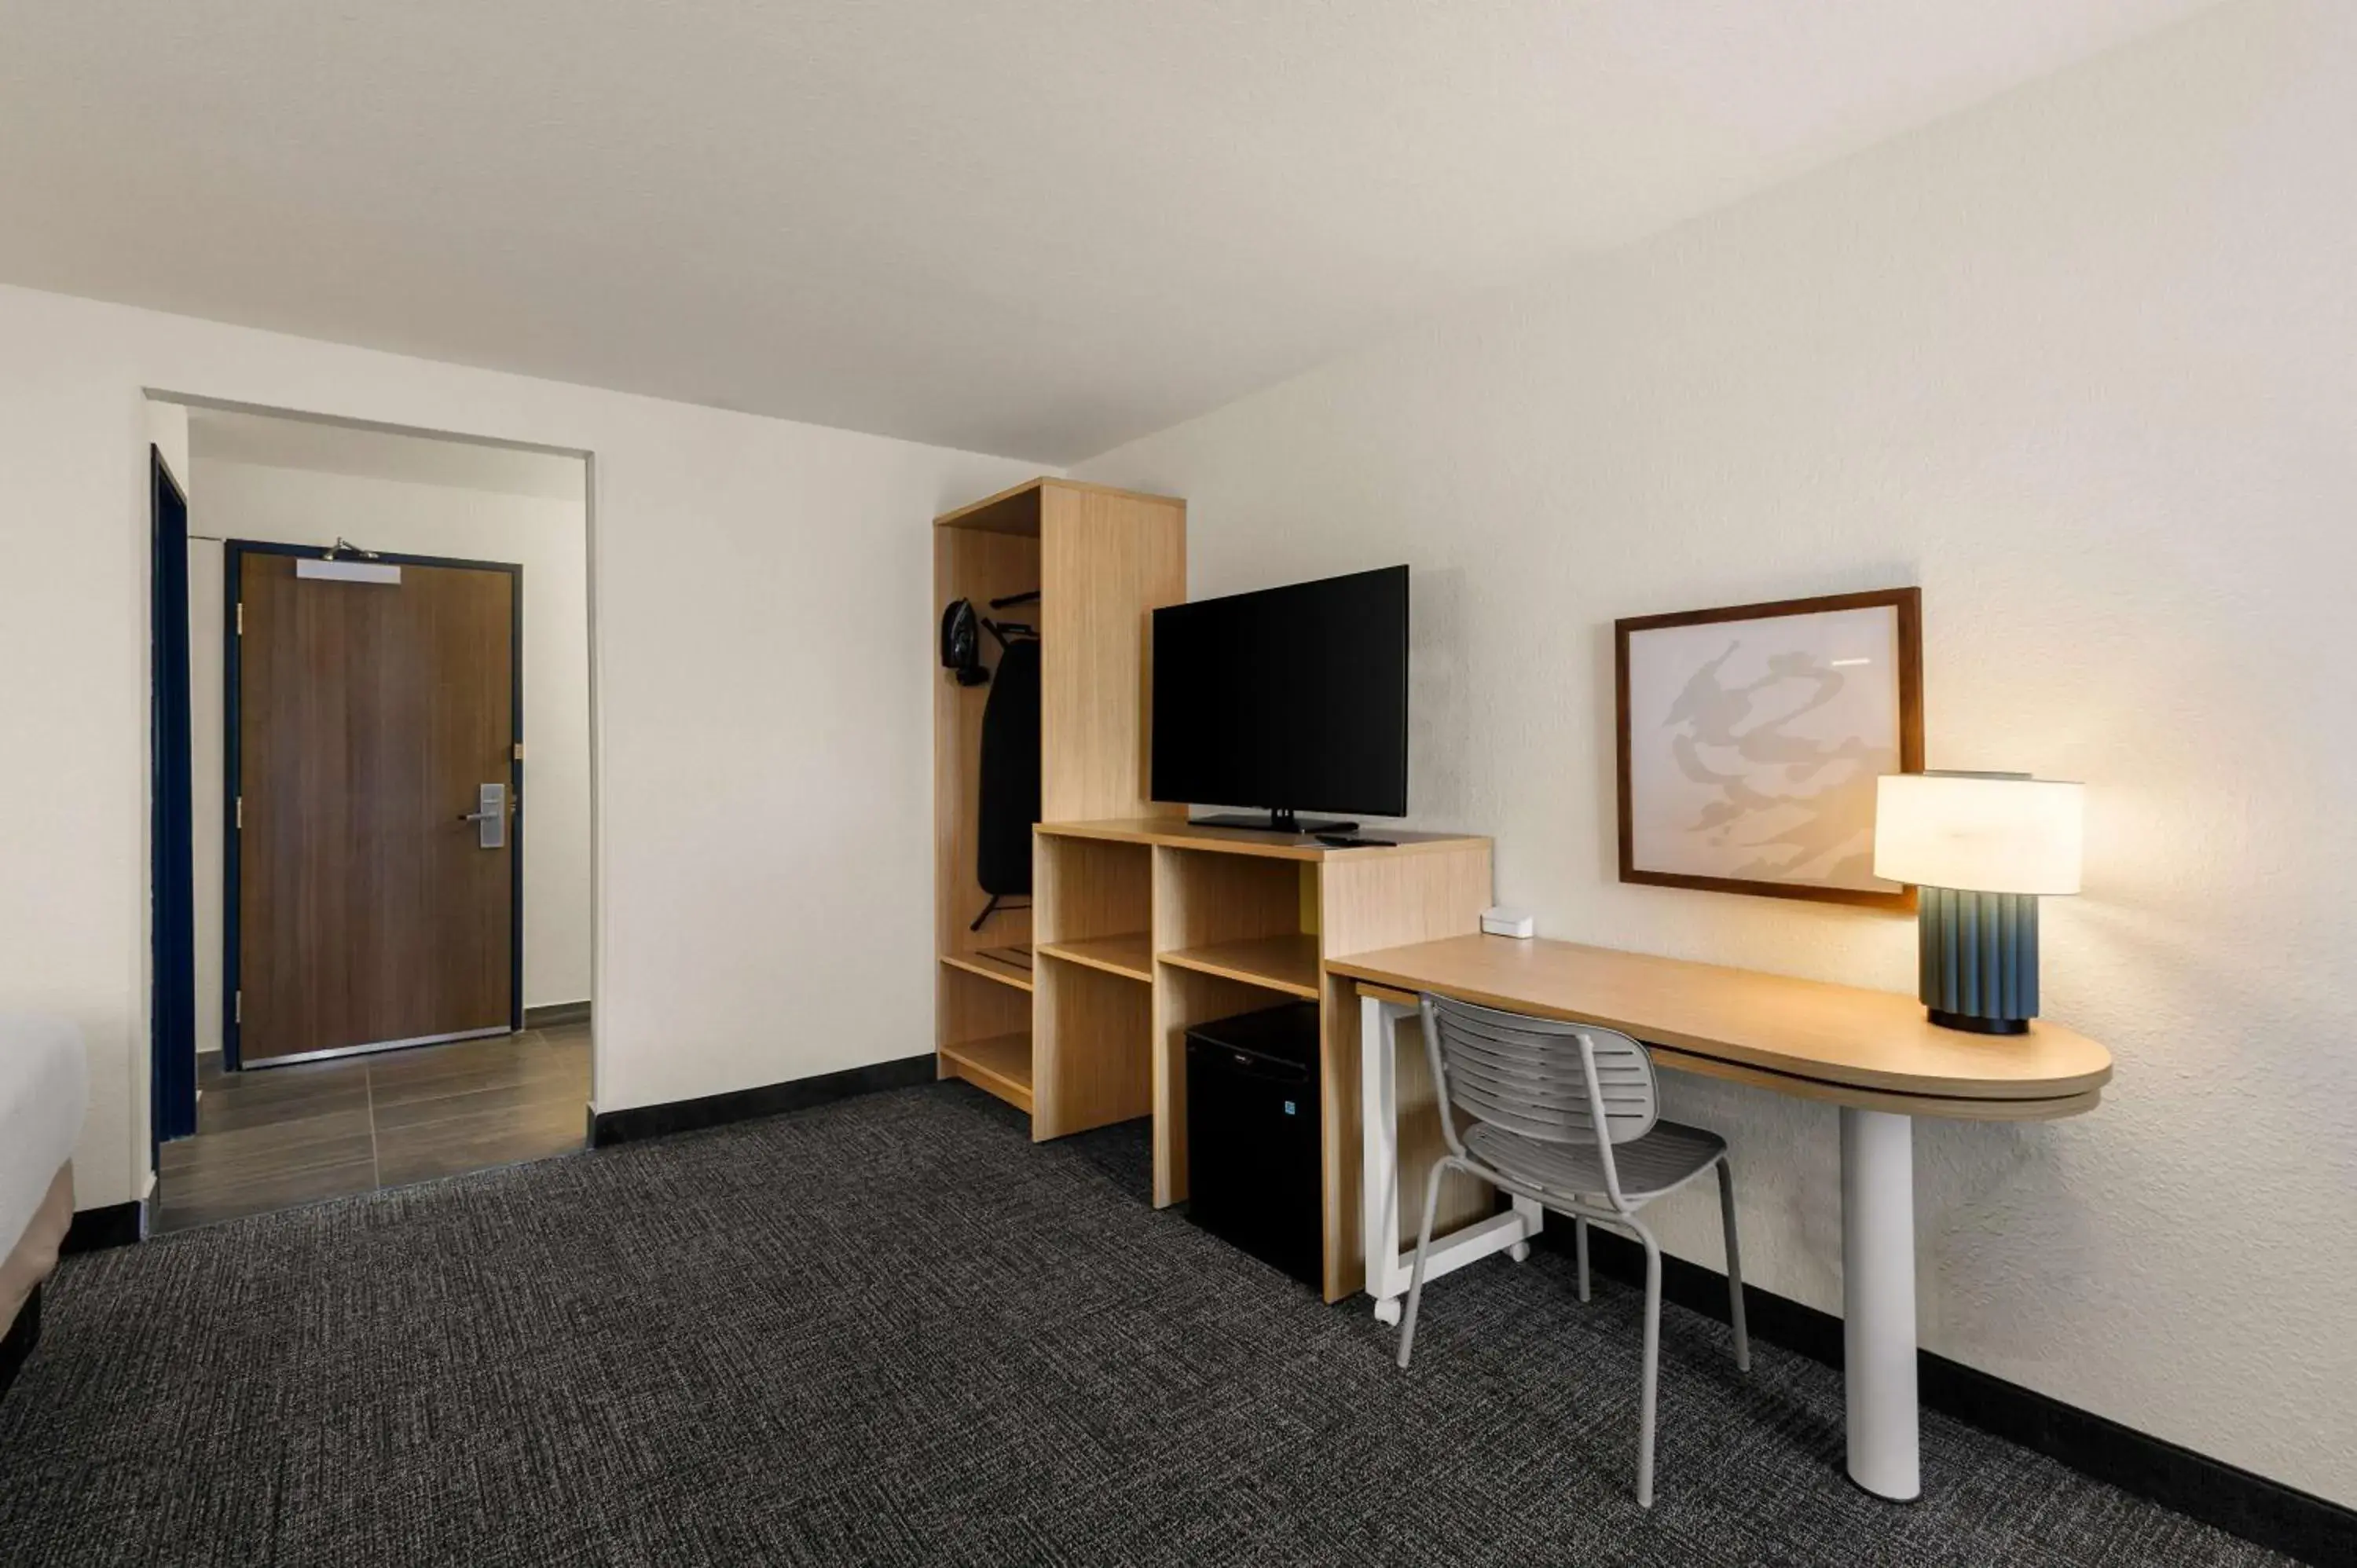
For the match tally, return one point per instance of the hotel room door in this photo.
(374, 724)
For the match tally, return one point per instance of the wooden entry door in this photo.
(370, 904)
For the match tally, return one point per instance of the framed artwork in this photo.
(1751, 739)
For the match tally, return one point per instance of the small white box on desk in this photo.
(1499, 921)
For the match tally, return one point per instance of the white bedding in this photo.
(44, 1090)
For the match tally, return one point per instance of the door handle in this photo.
(490, 817)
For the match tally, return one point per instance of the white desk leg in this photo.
(1379, 1146)
(1879, 1302)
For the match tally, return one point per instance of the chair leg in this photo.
(1733, 1264)
(1579, 1250)
(1423, 1245)
(1653, 1366)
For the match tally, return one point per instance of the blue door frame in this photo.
(172, 1021)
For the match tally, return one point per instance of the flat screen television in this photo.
(1288, 699)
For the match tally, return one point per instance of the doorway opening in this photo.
(388, 688)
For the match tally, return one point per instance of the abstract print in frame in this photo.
(1751, 738)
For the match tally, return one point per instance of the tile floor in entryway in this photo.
(275, 1137)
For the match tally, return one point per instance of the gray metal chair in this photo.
(1568, 1116)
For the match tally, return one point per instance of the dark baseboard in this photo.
(17, 1345)
(610, 1127)
(556, 1015)
(2268, 1512)
(112, 1225)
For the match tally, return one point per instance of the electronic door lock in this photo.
(490, 817)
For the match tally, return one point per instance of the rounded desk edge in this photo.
(2048, 1099)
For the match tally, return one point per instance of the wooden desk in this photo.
(1872, 1053)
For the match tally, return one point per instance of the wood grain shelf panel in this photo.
(1286, 963)
(994, 964)
(1130, 954)
(1000, 1065)
(1176, 832)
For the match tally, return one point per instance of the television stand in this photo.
(1147, 928)
(1281, 820)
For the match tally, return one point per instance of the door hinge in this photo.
(519, 751)
(236, 1014)
(241, 813)
(241, 617)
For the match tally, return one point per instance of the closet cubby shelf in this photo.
(1000, 1065)
(1282, 962)
(1129, 954)
(994, 964)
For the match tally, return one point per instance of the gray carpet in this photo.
(895, 1331)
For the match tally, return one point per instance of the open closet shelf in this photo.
(1131, 954)
(1009, 966)
(1000, 1065)
(1286, 963)
(1080, 568)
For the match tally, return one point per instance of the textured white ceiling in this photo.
(1028, 227)
(233, 436)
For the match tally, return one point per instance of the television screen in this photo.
(1288, 699)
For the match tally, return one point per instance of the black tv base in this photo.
(1282, 820)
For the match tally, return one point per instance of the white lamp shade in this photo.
(1981, 833)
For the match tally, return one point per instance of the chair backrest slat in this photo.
(1528, 1075)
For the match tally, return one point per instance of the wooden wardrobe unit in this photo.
(1145, 926)
(1102, 560)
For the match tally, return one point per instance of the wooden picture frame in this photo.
(1712, 796)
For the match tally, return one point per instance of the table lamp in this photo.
(1982, 848)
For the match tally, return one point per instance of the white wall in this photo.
(762, 662)
(168, 432)
(549, 539)
(2084, 364)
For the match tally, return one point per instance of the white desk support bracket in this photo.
(1388, 1267)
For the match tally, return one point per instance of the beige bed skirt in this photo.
(35, 1253)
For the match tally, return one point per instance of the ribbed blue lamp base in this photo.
(1979, 959)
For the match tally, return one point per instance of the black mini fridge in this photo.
(1253, 1175)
